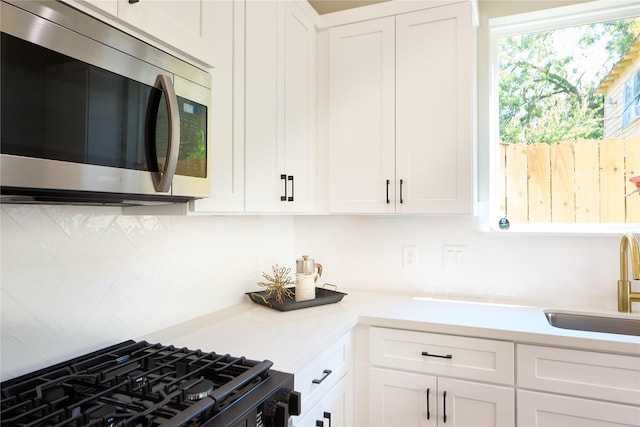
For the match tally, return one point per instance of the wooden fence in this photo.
(564, 182)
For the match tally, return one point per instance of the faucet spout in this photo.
(628, 246)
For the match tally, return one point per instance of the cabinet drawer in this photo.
(325, 370)
(551, 410)
(470, 358)
(613, 377)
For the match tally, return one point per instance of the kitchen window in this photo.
(564, 152)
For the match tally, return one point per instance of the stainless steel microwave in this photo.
(90, 114)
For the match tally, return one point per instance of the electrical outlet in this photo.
(409, 256)
(454, 257)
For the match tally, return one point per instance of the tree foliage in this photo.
(547, 90)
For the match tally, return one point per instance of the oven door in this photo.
(81, 115)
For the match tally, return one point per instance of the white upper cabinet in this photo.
(181, 24)
(361, 117)
(434, 105)
(279, 107)
(401, 134)
(226, 119)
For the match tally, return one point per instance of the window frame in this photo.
(529, 22)
(631, 108)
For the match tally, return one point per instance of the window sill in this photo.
(567, 229)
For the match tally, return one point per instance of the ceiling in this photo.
(328, 6)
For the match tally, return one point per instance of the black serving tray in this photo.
(323, 296)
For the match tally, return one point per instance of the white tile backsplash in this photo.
(74, 279)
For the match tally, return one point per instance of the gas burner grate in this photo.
(131, 384)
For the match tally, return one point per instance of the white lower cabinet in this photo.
(326, 387)
(569, 387)
(423, 379)
(335, 409)
(411, 399)
(551, 410)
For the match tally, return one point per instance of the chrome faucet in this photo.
(628, 246)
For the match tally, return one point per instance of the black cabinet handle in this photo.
(401, 199)
(327, 415)
(444, 406)
(325, 374)
(133, 1)
(388, 192)
(319, 423)
(290, 178)
(428, 406)
(441, 356)
(284, 178)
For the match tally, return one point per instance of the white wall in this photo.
(366, 253)
(74, 279)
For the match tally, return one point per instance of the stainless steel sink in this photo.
(594, 323)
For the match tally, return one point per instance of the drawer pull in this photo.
(319, 423)
(428, 410)
(441, 356)
(327, 415)
(325, 374)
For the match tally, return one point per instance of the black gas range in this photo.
(142, 384)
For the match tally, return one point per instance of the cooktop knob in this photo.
(275, 414)
(293, 399)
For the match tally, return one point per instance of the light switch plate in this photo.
(454, 257)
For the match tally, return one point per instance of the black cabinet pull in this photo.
(284, 178)
(441, 356)
(133, 1)
(428, 410)
(319, 423)
(444, 406)
(325, 374)
(290, 199)
(388, 192)
(327, 415)
(401, 199)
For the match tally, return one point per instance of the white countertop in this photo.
(291, 338)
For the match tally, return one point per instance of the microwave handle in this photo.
(162, 180)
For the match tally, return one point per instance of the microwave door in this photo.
(192, 175)
(162, 133)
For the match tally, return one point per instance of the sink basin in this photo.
(594, 322)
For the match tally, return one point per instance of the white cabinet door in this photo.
(402, 399)
(406, 399)
(361, 117)
(337, 406)
(434, 104)
(550, 410)
(335, 409)
(108, 6)
(184, 24)
(400, 113)
(280, 107)
(471, 404)
(226, 118)
(299, 107)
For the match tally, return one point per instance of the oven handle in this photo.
(162, 179)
